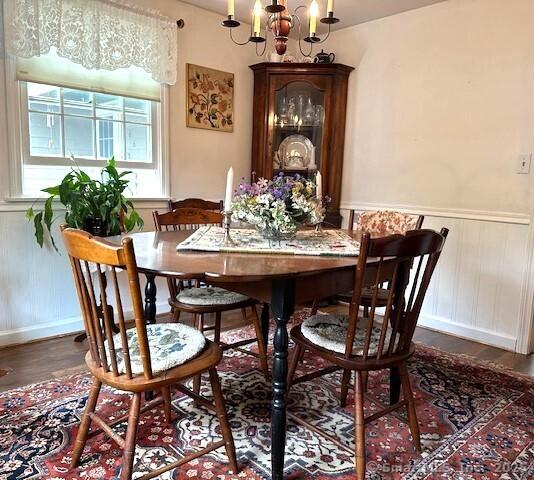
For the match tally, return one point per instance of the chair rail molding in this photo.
(484, 287)
(482, 215)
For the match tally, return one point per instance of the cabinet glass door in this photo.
(298, 125)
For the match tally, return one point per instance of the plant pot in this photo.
(96, 227)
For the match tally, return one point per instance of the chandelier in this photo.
(279, 21)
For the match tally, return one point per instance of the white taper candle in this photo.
(330, 6)
(229, 189)
(231, 8)
(319, 185)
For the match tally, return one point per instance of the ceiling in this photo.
(350, 12)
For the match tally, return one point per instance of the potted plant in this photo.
(96, 206)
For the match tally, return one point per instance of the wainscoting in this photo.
(37, 293)
(480, 288)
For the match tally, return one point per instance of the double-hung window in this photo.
(74, 117)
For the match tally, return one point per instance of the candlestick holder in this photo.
(319, 226)
(227, 221)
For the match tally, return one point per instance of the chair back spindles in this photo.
(391, 333)
(94, 263)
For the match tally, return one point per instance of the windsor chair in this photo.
(363, 344)
(201, 300)
(139, 359)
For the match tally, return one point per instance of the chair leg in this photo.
(345, 382)
(262, 348)
(81, 438)
(314, 307)
(166, 394)
(359, 421)
(176, 315)
(223, 420)
(131, 434)
(244, 313)
(412, 414)
(294, 361)
(365, 379)
(197, 379)
(217, 329)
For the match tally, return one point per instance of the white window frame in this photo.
(18, 140)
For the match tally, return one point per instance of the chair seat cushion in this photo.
(330, 331)
(367, 295)
(382, 294)
(171, 344)
(206, 296)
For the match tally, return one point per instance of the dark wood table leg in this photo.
(265, 321)
(394, 385)
(282, 305)
(150, 298)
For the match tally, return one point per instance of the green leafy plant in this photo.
(97, 206)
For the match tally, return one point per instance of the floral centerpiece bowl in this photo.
(276, 208)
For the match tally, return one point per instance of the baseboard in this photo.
(42, 331)
(477, 334)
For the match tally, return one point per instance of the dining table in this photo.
(279, 280)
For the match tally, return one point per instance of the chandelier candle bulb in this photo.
(314, 12)
(319, 186)
(257, 18)
(229, 188)
(231, 8)
(330, 7)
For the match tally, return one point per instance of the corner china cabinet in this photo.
(299, 123)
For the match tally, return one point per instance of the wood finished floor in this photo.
(43, 360)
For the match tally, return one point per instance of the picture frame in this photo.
(209, 99)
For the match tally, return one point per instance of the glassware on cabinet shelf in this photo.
(319, 113)
(309, 113)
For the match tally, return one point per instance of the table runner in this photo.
(306, 242)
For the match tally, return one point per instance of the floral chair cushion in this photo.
(384, 222)
(171, 344)
(330, 332)
(206, 296)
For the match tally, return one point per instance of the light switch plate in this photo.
(523, 163)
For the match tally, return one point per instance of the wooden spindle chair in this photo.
(139, 359)
(360, 344)
(196, 203)
(201, 300)
(379, 223)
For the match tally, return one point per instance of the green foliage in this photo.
(86, 199)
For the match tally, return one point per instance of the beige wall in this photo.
(439, 108)
(199, 160)
(441, 105)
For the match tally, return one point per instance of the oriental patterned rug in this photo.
(477, 422)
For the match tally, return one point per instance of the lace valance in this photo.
(97, 34)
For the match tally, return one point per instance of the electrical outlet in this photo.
(523, 163)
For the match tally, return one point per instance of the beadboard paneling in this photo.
(476, 289)
(37, 293)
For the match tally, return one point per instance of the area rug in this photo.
(476, 423)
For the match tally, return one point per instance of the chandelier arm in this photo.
(327, 35)
(263, 51)
(308, 55)
(235, 41)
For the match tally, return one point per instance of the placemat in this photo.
(306, 242)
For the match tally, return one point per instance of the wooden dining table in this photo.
(282, 281)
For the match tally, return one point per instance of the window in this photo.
(59, 123)
(89, 126)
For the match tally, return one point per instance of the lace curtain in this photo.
(97, 34)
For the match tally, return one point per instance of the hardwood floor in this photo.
(43, 360)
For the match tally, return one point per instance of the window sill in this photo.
(22, 203)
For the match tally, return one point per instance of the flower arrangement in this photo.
(277, 207)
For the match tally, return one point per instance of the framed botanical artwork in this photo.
(210, 99)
